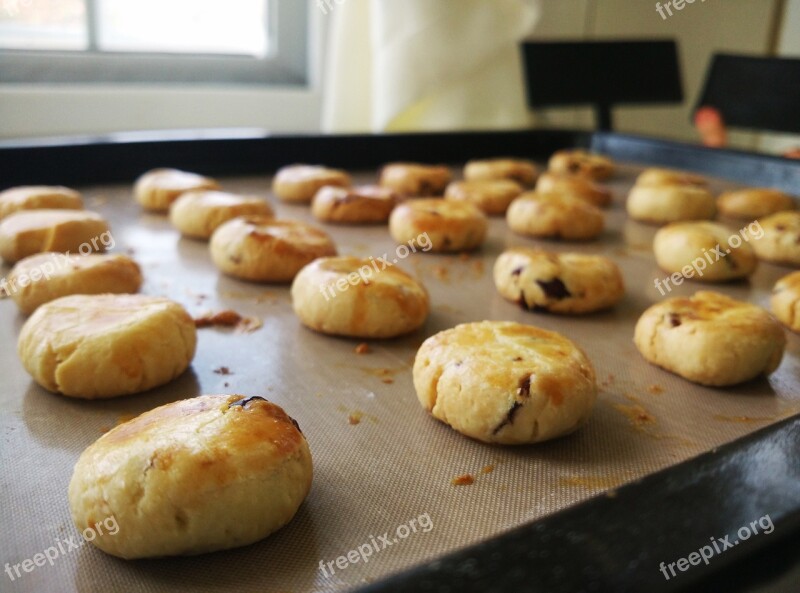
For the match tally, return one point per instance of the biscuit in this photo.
(42, 278)
(575, 185)
(415, 180)
(579, 162)
(785, 302)
(568, 283)
(158, 188)
(103, 346)
(447, 225)
(262, 249)
(752, 203)
(197, 214)
(29, 232)
(710, 339)
(194, 476)
(661, 204)
(555, 216)
(38, 197)
(780, 241)
(521, 171)
(366, 204)
(656, 176)
(505, 383)
(360, 298)
(492, 196)
(719, 255)
(299, 183)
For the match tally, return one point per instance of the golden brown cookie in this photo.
(520, 171)
(37, 197)
(197, 214)
(579, 162)
(444, 224)
(415, 180)
(555, 216)
(752, 203)
(575, 185)
(662, 204)
(785, 301)
(299, 183)
(365, 204)
(157, 189)
(492, 196)
(656, 176)
(778, 239)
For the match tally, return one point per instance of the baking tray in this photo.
(551, 517)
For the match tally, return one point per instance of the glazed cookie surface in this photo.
(579, 162)
(506, 383)
(492, 196)
(449, 225)
(157, 189)
(663, 204)
(366, 204)
(198, 214)
(103, 346)
(575, 185)
(555, 216)
(37, 197)
(785, 302)
(415, 180)
(780, 242)
(655, 176)
(299, 183)
(520, 171)
(710, 339)
(568, 283)
(752, 203)
(348, 296)
(194, 476)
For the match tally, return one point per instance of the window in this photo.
(176, 41)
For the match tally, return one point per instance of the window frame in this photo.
(286, 62)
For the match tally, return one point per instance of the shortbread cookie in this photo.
(29, 232)
(415, 180)
(663, 204)
(780, 241)
(360, 298)
(579, 162)
(705, 251)
(366, 204)
(300, 183)
(555, 216)
(262, 249)
(710, 339)
(492, 196)
(786, 301)
(449, 226)
(42, 278)
(656, 176)
(521, 171)
(103, 346)
(575, 185)
(197, 214)
(568, 283)
(506, 383)
(157, 189)
(194, 476)
(752, 203)
(38, 197)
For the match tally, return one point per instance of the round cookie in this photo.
(656, 176)
(568, 283)
(448, 225)
(710, 339)
(197, 214)
(785, 302)
(194, 476)
(506, 383)
(366, 204)
(780, 239)
(299, 183)
(29, 232)
(662, 204)
(752, 203)
(521, 171)
(555, 216)
(262, 249)
(576, 185)
(579, 162)
(103, 346)
(42, 278)
(158, 188)
(412, 179)
(360, 298)
(37, 197)
(492, 196)
(704, 251)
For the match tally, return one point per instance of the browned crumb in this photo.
(637, 415)
(477, 267)
(742, 419)
(487, 469)
(441, 273)
(355, 418)
(362, 348)
(226, 318)
(465, 480)
(387, 380)
(249, 324)
(655, 389)
(464, 256)
(223, 371)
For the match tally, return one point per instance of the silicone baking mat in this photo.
(383, 467)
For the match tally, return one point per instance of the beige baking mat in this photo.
(395, 466)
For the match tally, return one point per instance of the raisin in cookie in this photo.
(579, 162)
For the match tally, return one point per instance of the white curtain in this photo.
(397, 65)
